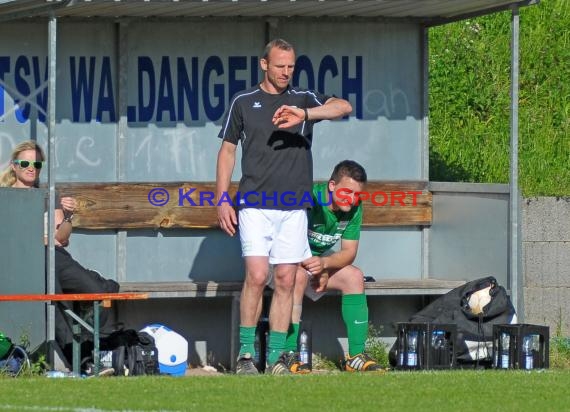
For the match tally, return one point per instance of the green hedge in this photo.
(470, 99)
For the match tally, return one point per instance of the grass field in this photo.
(479, 391)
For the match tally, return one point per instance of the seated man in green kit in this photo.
(336, 215)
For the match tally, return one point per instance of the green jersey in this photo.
(327, 227)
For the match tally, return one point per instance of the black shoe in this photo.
(245, 365)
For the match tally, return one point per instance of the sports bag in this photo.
(474, 318)
(133, 353)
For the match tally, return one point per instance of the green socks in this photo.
(292, 336)
(355, 316)
(247, 340)
(276, 346)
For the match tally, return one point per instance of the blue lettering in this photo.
(307, 198)
(286, 199)
(41, 97)
(303, 65)
(254, 64)
(187, 89)
(235, 63)
(4, 68)
(22, 64)
(146, 111)
(185, 195)
(320, 201)
(328, 64)
(265, 198)
(208, 197)
(246, 195)
(106, 100)
(81, 88)
(213, 64)
(165, 92)
(353, 85)
(195, 93)
(225, 198)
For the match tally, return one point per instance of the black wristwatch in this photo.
(68, 218)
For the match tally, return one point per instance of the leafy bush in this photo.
(470, 99)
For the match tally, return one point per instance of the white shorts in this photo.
(309, 291)
(279, 234)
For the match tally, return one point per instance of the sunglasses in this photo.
(24, 164)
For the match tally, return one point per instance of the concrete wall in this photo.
(546, 262)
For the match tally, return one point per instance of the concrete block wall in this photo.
(546, 262)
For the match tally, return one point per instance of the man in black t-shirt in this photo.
(274, 123)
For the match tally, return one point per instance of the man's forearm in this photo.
(224, 171)
(338, 260)
(332, 109)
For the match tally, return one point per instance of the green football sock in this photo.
(355, 316)
(276, 346)
(292, 336)
(247, 340)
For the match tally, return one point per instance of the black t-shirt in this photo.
(277, 165)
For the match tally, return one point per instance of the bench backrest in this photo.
(128, 205)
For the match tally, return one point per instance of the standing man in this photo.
(274, 123)
(336, 215)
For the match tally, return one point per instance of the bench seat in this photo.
(230, 289)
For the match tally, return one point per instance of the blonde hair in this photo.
(8, 177)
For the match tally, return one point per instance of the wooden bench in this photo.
(189, 205)
(98, 299)
(231, 289)
(123, 206)
(186, 205)
(127, 205)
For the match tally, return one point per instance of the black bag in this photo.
(133, 353)
(474, 331)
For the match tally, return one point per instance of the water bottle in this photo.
(412, 348)
(504, 355)
(438, 339)
(438, 344)
(60, 374)
(304, 346)
(527, 347)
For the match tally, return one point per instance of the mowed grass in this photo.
(471, 390)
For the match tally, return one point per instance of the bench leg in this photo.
(234, 339)
(76, 345)
(96, 357)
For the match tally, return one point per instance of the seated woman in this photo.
(70, 277)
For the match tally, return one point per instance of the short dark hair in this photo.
(349, 168)
(276, 43)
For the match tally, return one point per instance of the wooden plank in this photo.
(397, 203)
(73, 297)
(190, 205)
(221, 289)
(184, 289)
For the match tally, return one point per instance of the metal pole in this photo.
(52, 42)
(514, 239)
(424, 38)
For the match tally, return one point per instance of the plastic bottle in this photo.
(504, 353)
(438, 344)
(438, 339)
(412, 348)
(60, 374)
(304, 346)
(527, 347)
